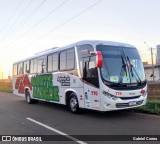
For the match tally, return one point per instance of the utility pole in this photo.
(152, 63)
(151, 60)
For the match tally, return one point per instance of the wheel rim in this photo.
(73, 104)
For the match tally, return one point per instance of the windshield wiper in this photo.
(124, 68)
(133, 69)
(124, 65)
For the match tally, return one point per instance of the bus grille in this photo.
(126, 98)
(123, 105)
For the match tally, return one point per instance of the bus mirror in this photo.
(98, 54)
(99, 59)
(93, 53)
(85, 51)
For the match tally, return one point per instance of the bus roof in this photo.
(91, 42)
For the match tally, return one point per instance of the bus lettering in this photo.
(94, 93)
(118, 93)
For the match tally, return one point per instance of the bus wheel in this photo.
(73, 103)
(28, 98)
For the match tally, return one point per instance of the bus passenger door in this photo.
(91, 83)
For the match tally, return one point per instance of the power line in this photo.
(14, 23)
(44, 18)
(41, 20)
(12, 15)
(29, 17)
(65, 22)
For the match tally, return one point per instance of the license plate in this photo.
(132, 103)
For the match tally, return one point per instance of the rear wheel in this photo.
(73, 103)
(29, 99)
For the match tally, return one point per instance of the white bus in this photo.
(96, 75)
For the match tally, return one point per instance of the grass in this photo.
(5, 86)
(151, 107)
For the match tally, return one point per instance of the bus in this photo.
(89, 74)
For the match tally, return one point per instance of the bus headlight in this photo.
(112, 97)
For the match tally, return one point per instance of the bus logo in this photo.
(118, 93)
(94, 93)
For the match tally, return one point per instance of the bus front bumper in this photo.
(109, 104)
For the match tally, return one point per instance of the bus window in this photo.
(81, 56)
(87, 65)
(80, 48)
(33, 66)
(20, 68)
(26, 67)
(41, 66)
(50, 64)
(63, 60)
(55, 62)
(70, 59)
(90, 71)
(15, 69)
(67, 59)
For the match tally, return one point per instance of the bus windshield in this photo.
(121, 65)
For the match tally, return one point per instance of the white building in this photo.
(156, 67)
(158, 54)
(148, 72)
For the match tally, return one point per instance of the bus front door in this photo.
(91, 84)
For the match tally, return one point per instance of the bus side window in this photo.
(33, 66)
(20, 68)
(41, 66)
(83, 56)
(91, 72)
(50, 63)
(15, 69)
(70, 59)
(88, 69)
(55, 61)
(26, 67)
(67, 59)
(63, 57)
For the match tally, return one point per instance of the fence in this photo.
(154, 90)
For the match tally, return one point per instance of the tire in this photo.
(28, 98)
(73, 103)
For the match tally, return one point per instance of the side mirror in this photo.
(99, 58)
(98, 54)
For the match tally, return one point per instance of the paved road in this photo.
(19, 118)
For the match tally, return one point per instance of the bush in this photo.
(5, 86)
(151, 107)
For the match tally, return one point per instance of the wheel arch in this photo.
(67, 94)
(27, 89)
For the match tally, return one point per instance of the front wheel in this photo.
(73, 103)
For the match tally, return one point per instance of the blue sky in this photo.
(25, 27)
